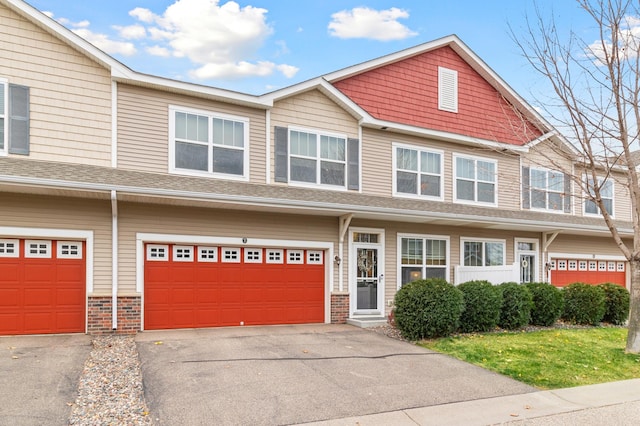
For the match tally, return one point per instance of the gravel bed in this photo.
(110, 388)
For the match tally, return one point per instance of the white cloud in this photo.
(628, 38)
(288, 71)
(363, 22)
(158, 51)
(131, 32)
(219, 38)
(104, 43)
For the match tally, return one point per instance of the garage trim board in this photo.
(186, 252)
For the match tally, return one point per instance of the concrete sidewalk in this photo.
(615, 403)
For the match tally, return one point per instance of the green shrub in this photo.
(428, 308)
(548, 303)
(583, 303)
(482, 303)
(616, 303)
(516, 306)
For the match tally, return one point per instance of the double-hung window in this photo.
(483, 252)
(547, 189)
(209, 143)
(423, 257)
(317, 158)
(418, 172)
(4, 122)
(606, 193)
(475, 180)
(14, 118)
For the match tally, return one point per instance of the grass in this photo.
(547, 359)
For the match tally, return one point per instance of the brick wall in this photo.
(99, 315)
(339, 308)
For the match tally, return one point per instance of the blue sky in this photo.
(256, 46)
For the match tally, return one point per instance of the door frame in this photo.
(536, 253)
(353, 276)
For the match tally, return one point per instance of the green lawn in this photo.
(547, 359)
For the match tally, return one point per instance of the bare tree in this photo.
(594, 101)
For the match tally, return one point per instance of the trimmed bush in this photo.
(583, 303)
(616, 304)
(548, 303)
(516, 306)
(428, 308)
(482, 303)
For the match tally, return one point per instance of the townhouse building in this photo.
(132, 202)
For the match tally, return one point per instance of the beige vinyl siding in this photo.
(175, 220)
(36, 211)
(143, 128)
(587, 246)
(377, 166)
(312, 110)
(70, 95)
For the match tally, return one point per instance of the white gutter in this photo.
(344, 226)
(114, 124)
(114, 260)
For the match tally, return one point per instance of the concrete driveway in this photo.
(296, 374)
(39, 377)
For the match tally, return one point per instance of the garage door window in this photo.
(275, 256)
(157, 252)
(295, 256)
(9, 248)
(252, 255)
(231, 255)
(207, 254)
(620, 266)
(37, 249)
(183, 253)
(314, 257)
(69, 250)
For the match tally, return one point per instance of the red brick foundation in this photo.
(99, 315)
(339, 308)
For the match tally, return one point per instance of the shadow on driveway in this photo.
(294, 374)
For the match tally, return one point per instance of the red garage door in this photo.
(567, 271)
(195, 286)
(42, 286)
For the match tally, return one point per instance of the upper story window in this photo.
(317, 158)
(208, 143)
(14, 118)
(483, 252)
(547, 189)
(475, 180)
(606, 193)
(418, 172)
(447, 89)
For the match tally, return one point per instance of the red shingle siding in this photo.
(407, 92)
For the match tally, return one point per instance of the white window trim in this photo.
(613, 200)
(400, 236)
(475, 180)
(4, 151)
(164, 258)
(172, 145)
(275, 261)
(238, 258)
(208, 259)
(46, 255)
(314, 253)
(174, 253)
(16, 246)
(394, 156)
(248, 250)
(318, 133)
(562, 193)
(483, 241)
(59, 254)
(295, 262)
(443, 105)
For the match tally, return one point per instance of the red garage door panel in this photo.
(43, 294)
(568, 271)
(186, 293)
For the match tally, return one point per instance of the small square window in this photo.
(230, 255)
(35, 248)
(252, 255)
(314, 257)
(602, 266)
(183, 253)
(275, 256)
(69, 249)
(552, 265)
(620, 266)
(9, 248)
(611, 266)
(582, 265)
(157, 252)
(562, 265)
(593, 265)
(207, 254)
(295, 256)
(573, 265)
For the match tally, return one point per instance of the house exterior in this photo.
(132, 202)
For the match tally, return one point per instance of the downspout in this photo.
(114, 260)
(547, 239)
(344, 225)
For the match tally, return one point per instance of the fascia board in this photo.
(300, 205)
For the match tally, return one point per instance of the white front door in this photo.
(366, 277)
(527, 255)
